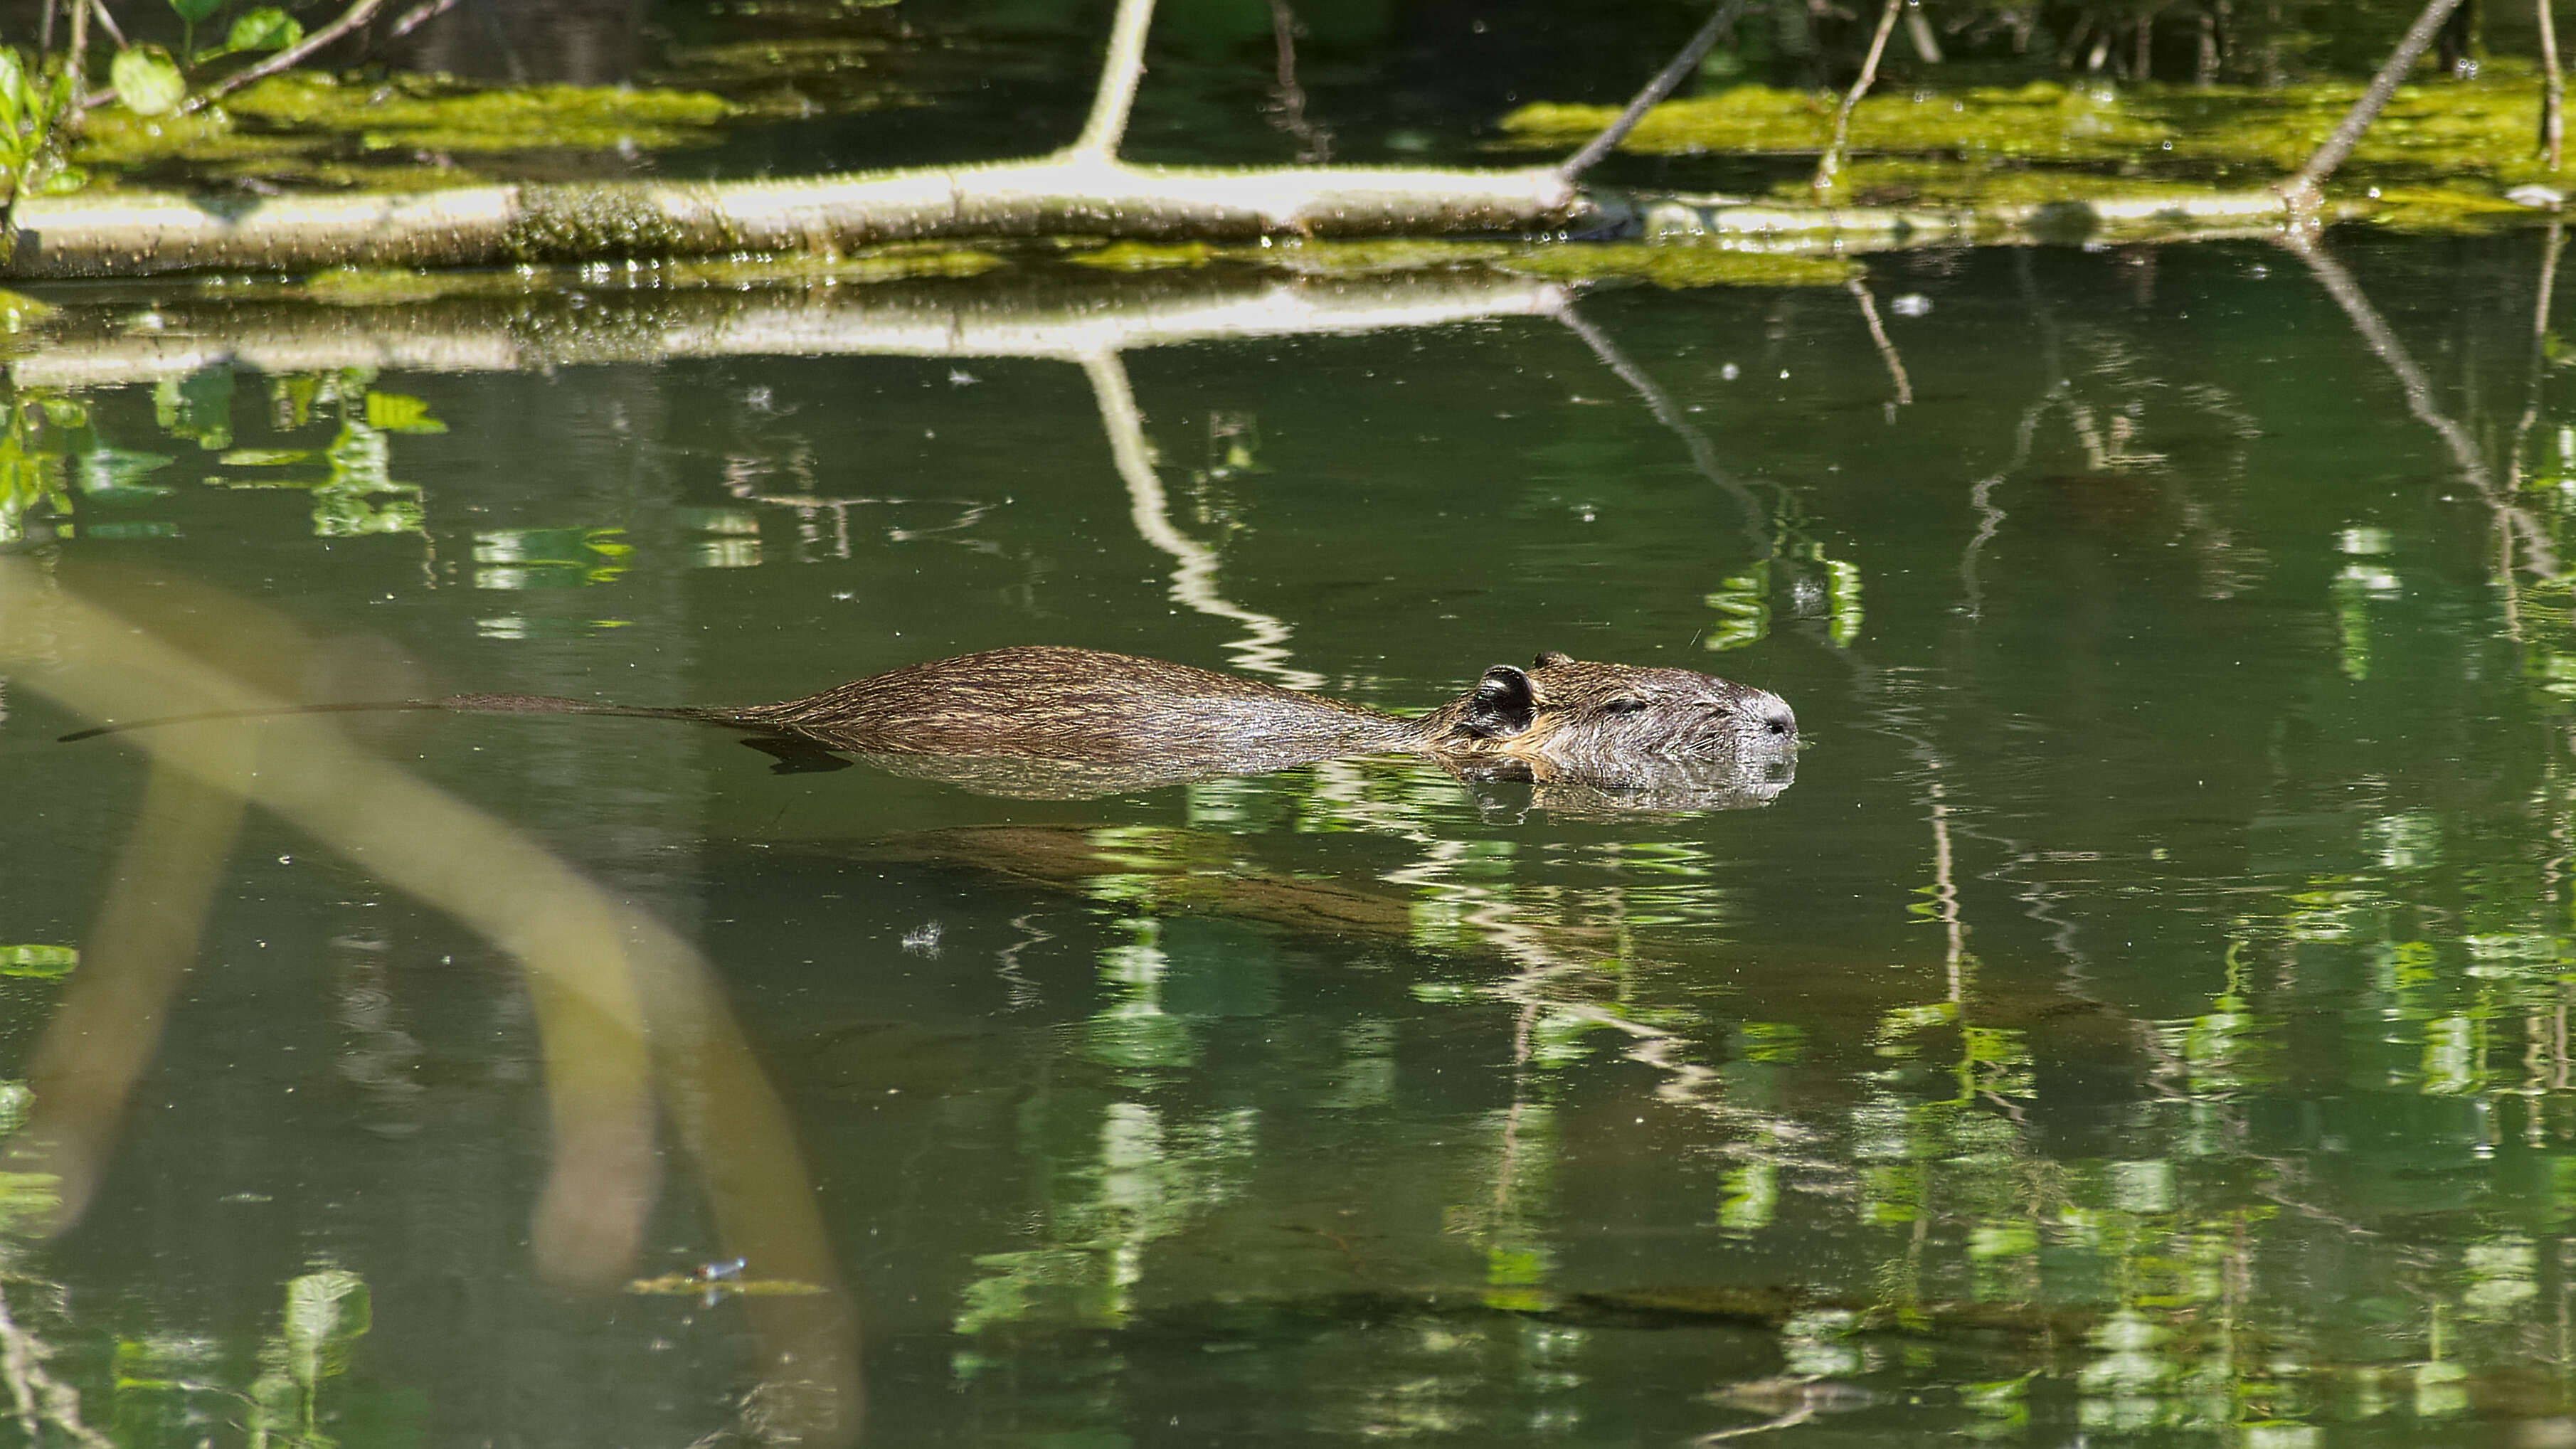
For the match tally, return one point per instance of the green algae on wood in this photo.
(310, 114)
(1131, 256)
(1678, 265)
(433, 115)
(2046, 143)
(2042, 119)
(573, 221)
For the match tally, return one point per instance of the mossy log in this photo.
(124, 234)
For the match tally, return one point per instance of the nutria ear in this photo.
(1549, 657)
(1502, 704)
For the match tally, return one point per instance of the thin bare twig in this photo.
(2553, 88)
(1120, 72)
(2347, 133)
(77, 57)
(350, 19)
(1682, 64)
(107, 23)
(1927, 46)
(1832, 161)
(418, 16)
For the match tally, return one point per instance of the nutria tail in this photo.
(454, 703)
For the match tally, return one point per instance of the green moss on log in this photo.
(2471, 141)
(599, 222)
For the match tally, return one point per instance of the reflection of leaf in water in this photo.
(346, 515)
(198, 407)
(325, 1313)
(31, 475)
(48, 962)
(1744, 609)
(264, 457)
(396, 413)
(114, 475)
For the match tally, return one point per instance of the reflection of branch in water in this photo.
(1288, 99)
(2538, 365)
(40, 1398)
(1194, 578)
(1990, 518)
(1945, 897)
(1056, 320)
(2052, 362)
(1024, 992)
(2510, 517)
(1703, 452)
(1886, 348)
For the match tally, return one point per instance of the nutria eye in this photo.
(1622, 706)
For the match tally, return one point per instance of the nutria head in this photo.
(1574, 714)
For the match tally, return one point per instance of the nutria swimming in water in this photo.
(1063, 720)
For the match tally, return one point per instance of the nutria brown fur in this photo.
(1561, 717)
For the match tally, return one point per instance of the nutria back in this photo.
(1049, 702)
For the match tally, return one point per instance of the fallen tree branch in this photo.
(1774, 226)
(1077, 193)
(418, 16)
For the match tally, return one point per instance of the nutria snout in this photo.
(1575, 713)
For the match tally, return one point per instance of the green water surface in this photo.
(2144, 1019)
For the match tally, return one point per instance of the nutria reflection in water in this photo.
(1056, 722)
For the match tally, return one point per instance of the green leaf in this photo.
(196, 12)
(147, 80)
(13, 85)
(266, 28)
(394, 413)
